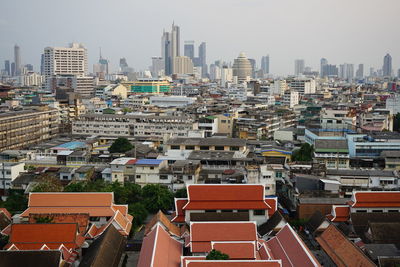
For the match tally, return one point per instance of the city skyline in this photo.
(342, 43)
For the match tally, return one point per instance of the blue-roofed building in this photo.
(149, 162)
(69, 146)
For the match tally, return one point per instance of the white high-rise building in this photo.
(157, 67)
(226, 75)
(278, 87)
(65, 60)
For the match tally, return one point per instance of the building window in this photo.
(176, 147)
(151, 168)
(204, 148)
(393, 211)
(234, 148)
(377, 210)
(189, 147)
(226, 210)
(190, 177)
(65, 177)
(211, 211)
(361, 211)
(219, 148)
(259, 212)
(138, 177)
(163, 177)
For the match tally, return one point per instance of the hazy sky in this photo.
(351, 31)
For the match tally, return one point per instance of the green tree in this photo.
(217, 255)
(181, 193)
(45, 219)
(120, 145)
(139, 213)
(157, 197)
(305, 153)
(48, 183)
(75, 187)
(16, 201)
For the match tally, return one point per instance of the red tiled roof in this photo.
(226, 205)
(288, 247)
(342, 251)
(5, 211)
(180, 214)
(221, 192)
(340, 213)
(159, 249)
(237, 250)
(202, 233)
(70, 199)
(376, 199)
(184, 259)
(123, 222)
(233, 263)
(92, 211)
(273, 203)
(34, 236)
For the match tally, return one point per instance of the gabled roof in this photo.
(342, 251)
(159, 249)
(240, 250)
(105, 250)
(288, 247)
(202, 233)
(161, 218)
(233, 263)
(271, 224)
(375, 199)
(53, 235)
(42, 258)
(179, 213)
(222, 196)
(340, 213)
(95, 204)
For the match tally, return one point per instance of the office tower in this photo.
(203, 58)
(183, 65)
(7, 67)
(42, 64)
(157, 67)
(17, 60)
(360, 71)
(298, 66)
(387, 66)
(189, 49)
(122, 63)
(324, 62)
(346, 71)
(29, 67)
(329, 70)
(101, 68)
(265, 64)
(226, 75)
(253, 66)
(12, 69)
(170, 48)
(215, 72)
(372, 72)
(242, 68)
(65, 60)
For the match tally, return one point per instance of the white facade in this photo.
(8, 173)
(303, 86)
(31, 79)
(238, 92)
(226, 76)
(65, 60)
(278, 87)
(171, 101)
(291, 98)
(393, 104)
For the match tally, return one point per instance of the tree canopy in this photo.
(305, 153)
(157, 197)
(48, 183)
(217, 255)
(120, 145)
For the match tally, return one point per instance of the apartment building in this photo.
(19, 129)
(141, 126)
(8, 172)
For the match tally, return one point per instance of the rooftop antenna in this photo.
(100, 53)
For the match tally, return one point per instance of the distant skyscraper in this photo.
(346, 71)
(203, 58)
(298, 66)
(7, 67)
(170, 48)
(253, 66)
(42, 64)
(157, 67)
(242, 68)
(329, 70)
(17, 60)
(398, 73)
(324, 62)
(183, 65)
(189, 49)
(360, 71)
(387, 66)
(265, 64)
(29, 67)
(13, 69)
(123, 63)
